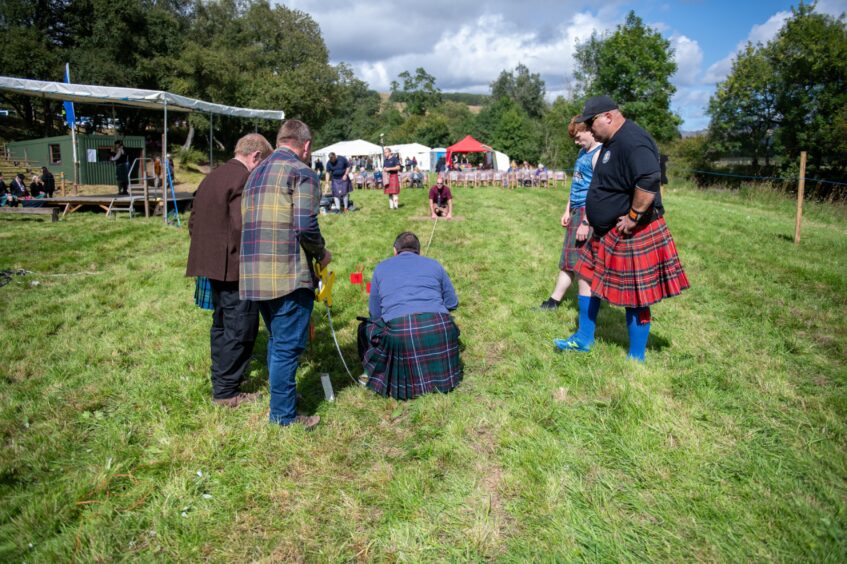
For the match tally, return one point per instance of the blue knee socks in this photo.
(583, 339)
(638, 324)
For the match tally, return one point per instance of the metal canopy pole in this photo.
(165, 163)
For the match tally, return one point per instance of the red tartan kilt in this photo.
(393, 186)
(633, 271)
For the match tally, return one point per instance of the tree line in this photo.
(780, 98)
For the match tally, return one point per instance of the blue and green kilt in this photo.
(571, 248)
(203, 293)
(413, 355)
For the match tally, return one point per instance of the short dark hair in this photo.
(407, 242)
(293, 132)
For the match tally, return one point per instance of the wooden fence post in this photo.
(801, 188)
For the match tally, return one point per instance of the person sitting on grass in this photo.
(440, 200)
(410, 344)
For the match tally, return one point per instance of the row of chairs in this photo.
(518, 179)
(473, 179)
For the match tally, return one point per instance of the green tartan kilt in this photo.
(412, 355)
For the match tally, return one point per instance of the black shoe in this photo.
(550, 303)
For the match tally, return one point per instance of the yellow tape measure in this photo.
(326, 278)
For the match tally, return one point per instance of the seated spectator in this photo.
(16, 191)
(410, 304)
(5, 196)
(540, 175)
(440, 200)
(417, 178)
(36, 187)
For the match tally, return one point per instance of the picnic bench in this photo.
(51, 211)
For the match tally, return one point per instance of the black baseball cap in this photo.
(596, 105)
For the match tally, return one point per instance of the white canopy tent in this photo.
(420, 152)
(355, 148)
(133, 97)
(501, 161)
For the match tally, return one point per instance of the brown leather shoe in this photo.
(237, 399)
(309, 422)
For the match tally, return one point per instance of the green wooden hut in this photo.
(93, 152)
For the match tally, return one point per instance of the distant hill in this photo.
(474, 102)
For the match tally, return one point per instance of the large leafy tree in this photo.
(558, 149)
(522, 87)
(34, 36)
(809, 59)
(634, 66)
(506, 127)
(418, 92)
(743, 108)
(256, 55)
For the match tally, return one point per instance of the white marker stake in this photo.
(327, 384)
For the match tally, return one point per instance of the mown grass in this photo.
(729, 444)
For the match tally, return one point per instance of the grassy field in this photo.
(729, 444)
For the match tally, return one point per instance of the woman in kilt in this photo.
(410, 344)
(391, 167)
(631, 260)
(577, 230)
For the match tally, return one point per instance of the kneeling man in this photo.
(410, 344)
(440, 200)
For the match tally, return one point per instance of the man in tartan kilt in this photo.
(410, 344)
(631, 260)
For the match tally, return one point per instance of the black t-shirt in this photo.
(629, 159)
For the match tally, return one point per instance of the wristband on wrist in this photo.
(585, 222)
(634, 215)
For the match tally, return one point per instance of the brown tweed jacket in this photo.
(215, 223)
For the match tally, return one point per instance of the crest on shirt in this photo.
(606, 156)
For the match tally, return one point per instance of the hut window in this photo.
(55, 154)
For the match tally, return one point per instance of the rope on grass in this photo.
(431, 235)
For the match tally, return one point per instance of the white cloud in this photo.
(831, 7)
(688, 57)
(473, 55)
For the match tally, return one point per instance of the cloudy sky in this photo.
(466, 44)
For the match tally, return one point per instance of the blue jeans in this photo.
(287, 319)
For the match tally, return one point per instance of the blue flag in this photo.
(70, 117)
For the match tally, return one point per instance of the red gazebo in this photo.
(467, 145)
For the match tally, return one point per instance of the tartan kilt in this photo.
(413, 355)
(393, 186)
(633, 271)
(203, 293)
(341, 187)
(571, 248)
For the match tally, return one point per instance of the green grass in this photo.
(729, 444)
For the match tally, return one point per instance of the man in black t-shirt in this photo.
(631, 260)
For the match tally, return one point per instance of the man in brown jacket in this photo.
(215, 230)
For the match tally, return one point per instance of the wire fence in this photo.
(816, 188)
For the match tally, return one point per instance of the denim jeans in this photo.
(287, 319)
